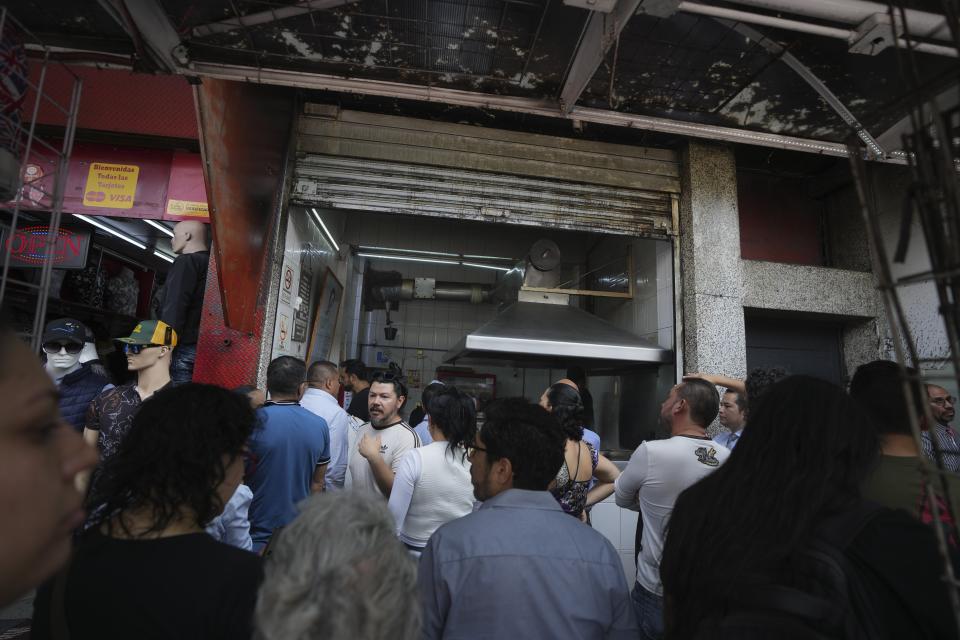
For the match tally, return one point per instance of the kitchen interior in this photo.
(485, 306)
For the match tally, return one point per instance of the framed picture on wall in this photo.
(325, 318)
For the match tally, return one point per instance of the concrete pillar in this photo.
(710, 265)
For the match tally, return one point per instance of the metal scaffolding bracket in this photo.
(599, 34)
(264, 17)
(147, 24)
(777, 49)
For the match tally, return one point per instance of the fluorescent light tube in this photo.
(422, 253)
(157, 225)
(484, 266)
(326, 232)
(163, 256)
(110, 230)
(381, 256)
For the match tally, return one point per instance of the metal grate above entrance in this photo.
(395, 187)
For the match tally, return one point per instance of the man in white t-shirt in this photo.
(657, 473)
(382, 441)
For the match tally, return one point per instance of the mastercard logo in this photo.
(95, 196)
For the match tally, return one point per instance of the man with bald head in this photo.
(182, 298)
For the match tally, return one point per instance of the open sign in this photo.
(30, 246)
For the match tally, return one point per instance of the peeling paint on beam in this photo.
(531, 106)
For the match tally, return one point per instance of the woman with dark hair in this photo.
(145, 568)
(586, 477)
(40, 457)
(745, 546)
(433, 485)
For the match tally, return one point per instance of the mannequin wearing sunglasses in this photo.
(148, 351)
(78, 383)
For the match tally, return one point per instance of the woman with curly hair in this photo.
(145, 568)
(586, 476)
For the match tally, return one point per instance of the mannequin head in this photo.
(62, 343)
(189, 236)
(89, 353)
(149, 348)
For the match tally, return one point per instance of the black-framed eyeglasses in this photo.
(472, 449)
(53, 347)
(135, 349)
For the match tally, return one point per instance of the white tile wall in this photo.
(619, 527)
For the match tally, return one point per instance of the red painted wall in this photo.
(117, 100)
(779, 221)
(245, 130)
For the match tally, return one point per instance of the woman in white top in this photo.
(432, 485)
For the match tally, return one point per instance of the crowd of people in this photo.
(162, 508)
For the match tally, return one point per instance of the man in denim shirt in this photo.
(519, 567)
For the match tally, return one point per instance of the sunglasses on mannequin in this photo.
(135, 349)
(53, 347)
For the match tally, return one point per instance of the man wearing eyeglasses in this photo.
(382, 441)
(148, 349)
(519, 567)
(943, 411)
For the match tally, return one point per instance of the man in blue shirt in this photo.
(519, 567)
(289, 451)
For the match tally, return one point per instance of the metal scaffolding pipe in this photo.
(921, 24)
(798, 26)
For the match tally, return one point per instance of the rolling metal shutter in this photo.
(370, 162)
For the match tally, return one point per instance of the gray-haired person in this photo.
(338, 572)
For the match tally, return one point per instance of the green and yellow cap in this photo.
(152, 332)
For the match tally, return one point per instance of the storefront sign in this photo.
(117, 181)
(28, 247)
(301, 316)
(111, 185)
(186, 193)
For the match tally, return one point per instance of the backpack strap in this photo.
(832, 538)
(840, 530)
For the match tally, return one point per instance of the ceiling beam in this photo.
(265, 17)
(599, 34)
(532, 106)
(152, 33)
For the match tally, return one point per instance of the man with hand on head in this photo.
(382, 441)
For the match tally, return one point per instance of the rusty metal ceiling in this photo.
(656, 64)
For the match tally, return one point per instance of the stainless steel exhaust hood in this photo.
(544, 330)
(554, 335)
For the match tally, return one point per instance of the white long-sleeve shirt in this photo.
(321, 403)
